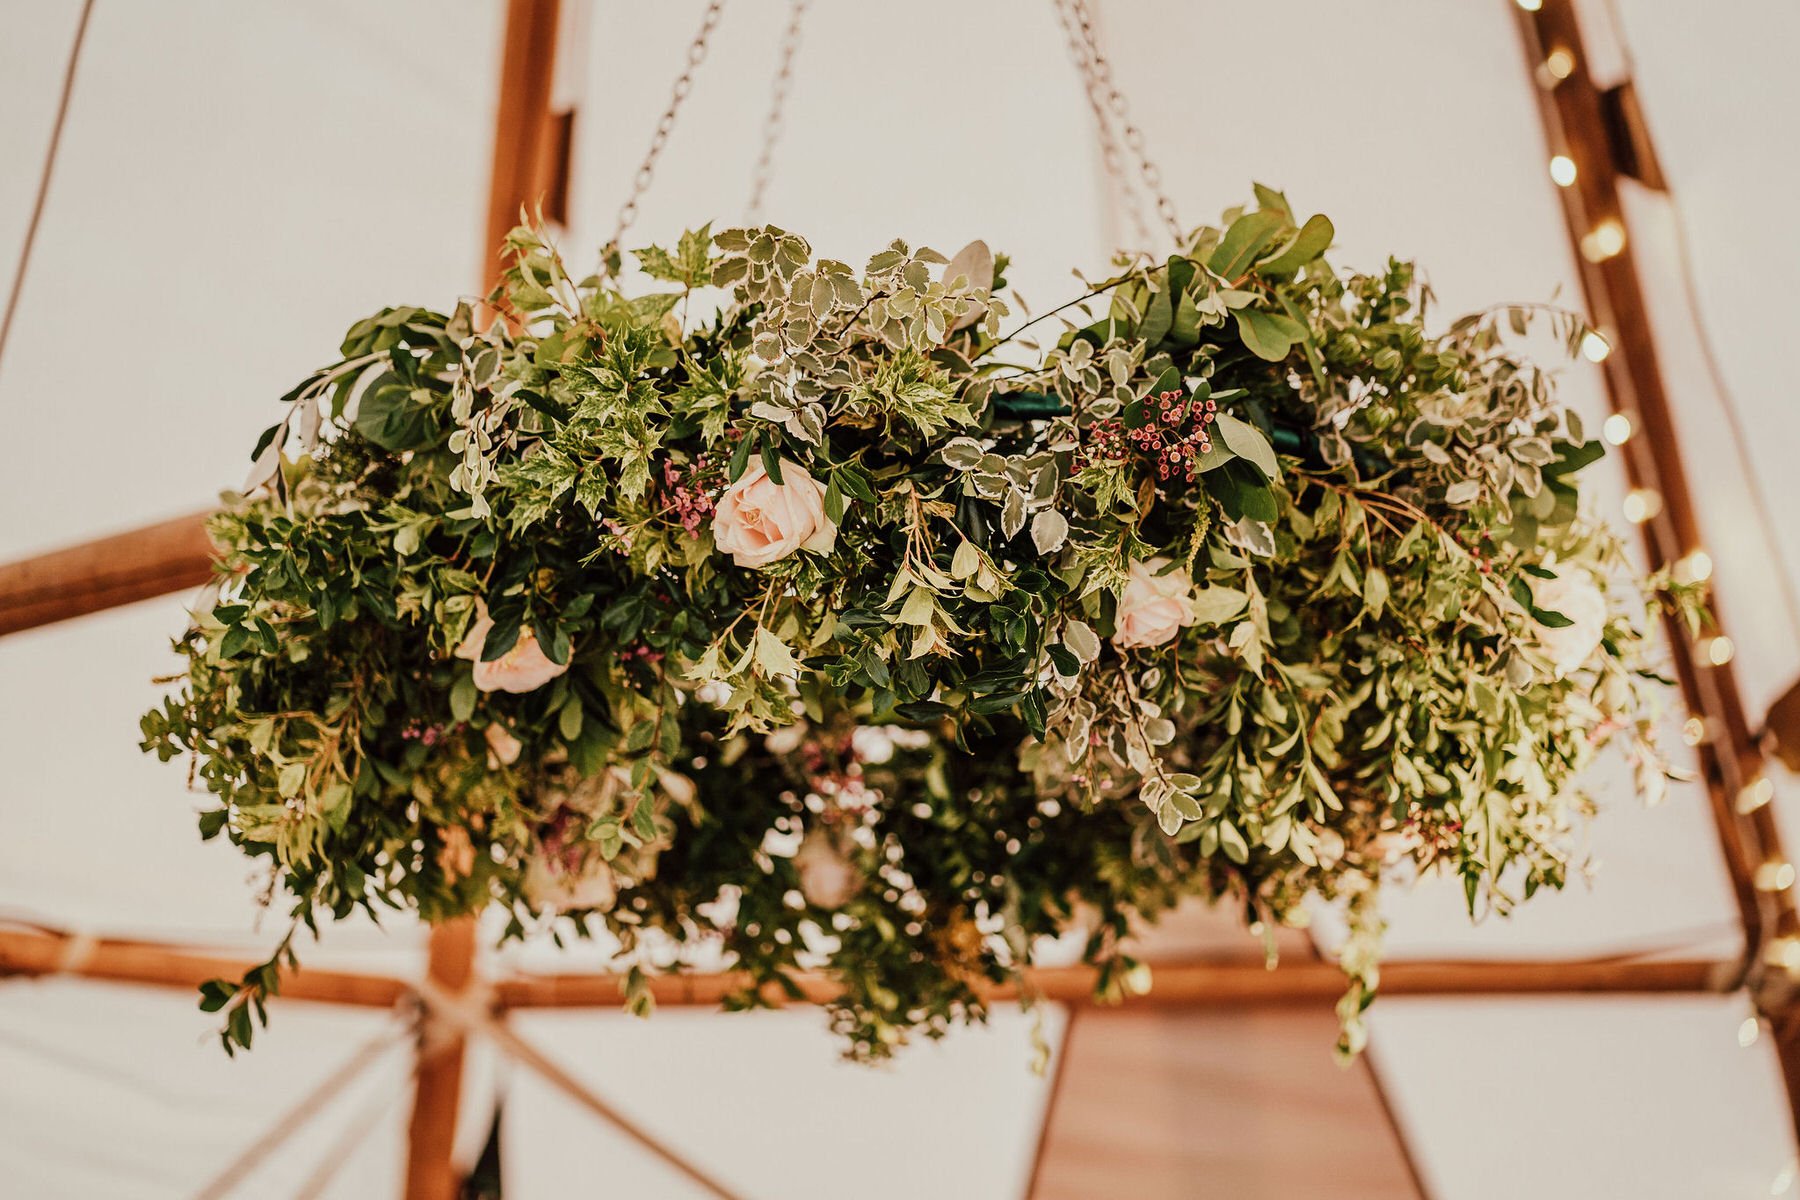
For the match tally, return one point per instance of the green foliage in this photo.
(930, 727)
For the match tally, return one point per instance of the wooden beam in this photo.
(37, 952)
(1576, 123)
(171, 556)
(1198, 983)
(1230, 984)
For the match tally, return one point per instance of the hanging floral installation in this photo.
(805, 615)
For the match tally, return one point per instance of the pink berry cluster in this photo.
(1440, 833)
(1105, 443)
(563, 839)
(1175, 433)
(838, 778)
(689, 492)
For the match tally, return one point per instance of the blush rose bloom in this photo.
(758, 521)
(1154, 607)
(827, 876)
(1575, 594)
(503, 747)
(561, 886)
(524, 668)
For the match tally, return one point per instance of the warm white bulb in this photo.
(1641, 505)
(1717, 650)
(1603, 241)
(1693, 732)
(1749, 1031)
(1696, 566)
(1562, 170)
(1594, 348)
(1618, 429)
(1755, 794)
(1529, 5)
(1775, 876)
(1560, 63)
(1783, 952)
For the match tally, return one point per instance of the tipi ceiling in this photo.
(238, 183)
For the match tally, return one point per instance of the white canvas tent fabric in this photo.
(239, 182)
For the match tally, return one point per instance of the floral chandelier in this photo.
(824, 617)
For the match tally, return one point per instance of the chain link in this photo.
(773, 123)
(1098, 78)
(684, 83)
(1104, 97)
(1109, 142)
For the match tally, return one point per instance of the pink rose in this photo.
(1154, 607)
(524, 668)
(758, 521)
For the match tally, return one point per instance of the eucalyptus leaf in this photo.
(1307, 243)
(1266, 335)
(1247, 441)
(1247, 238)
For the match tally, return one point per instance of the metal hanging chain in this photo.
(1110, 154)
(1104, 96)
(772, 124)
(1101, 79)
(684, 83)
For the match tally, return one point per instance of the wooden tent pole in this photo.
(437, 1083)
(523, 171)
(527, 141)
(1600, 132)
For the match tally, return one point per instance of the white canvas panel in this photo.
(237, 185)
(1580, 1097)
(98, 834)
(122, 1092)
(762, 1102)
(1724, 109)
